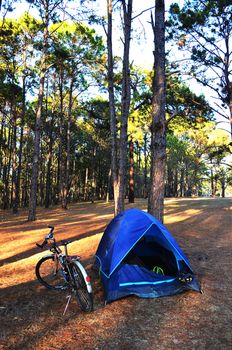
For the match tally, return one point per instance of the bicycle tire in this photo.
(84, 297)
(48, 275)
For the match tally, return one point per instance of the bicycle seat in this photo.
(65, 242)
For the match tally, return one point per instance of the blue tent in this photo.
(137, 255)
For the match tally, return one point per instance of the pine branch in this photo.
(139, 14)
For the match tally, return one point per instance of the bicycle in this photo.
(60, 271)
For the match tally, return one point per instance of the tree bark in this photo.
(223, 185)
(63, 143)
(119, 172)
(21, 142)
(213, 185)
(175, 184)
(2, 141)
(158, 142)
(6, 171)
(86, 184)
(68, 143)
(113, 128)
(14, 161)
(145, 190)
(49, 165)
(169, 187)
(36, 157)
(25, 180)
(131, 195)
(125, 105)
(228, 82)
(182, 182)
(108, 186)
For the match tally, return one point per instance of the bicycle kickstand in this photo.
(67, 304)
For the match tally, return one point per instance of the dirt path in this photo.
(31, 316)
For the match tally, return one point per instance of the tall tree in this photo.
(47, 10)
(195, 155)
(158, 142)
(119, 168)
(113, 123)
(11, 56)
(204, 29)
(125, 103)
(28, 27)
(77, 53)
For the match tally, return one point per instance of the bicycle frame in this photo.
(64, 259)
(57, 255)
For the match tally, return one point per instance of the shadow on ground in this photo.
(31, 316)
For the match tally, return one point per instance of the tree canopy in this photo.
(68, 105)
(204, 28)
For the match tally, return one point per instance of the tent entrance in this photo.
(150, 254)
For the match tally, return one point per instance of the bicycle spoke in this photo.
(49, 275)
(59, 271)
(84, 298)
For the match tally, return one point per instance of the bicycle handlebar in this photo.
(49, 236)
(51, 230)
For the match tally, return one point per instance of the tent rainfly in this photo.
(138, 256)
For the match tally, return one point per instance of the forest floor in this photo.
(32, 317)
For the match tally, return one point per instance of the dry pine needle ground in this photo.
(31, 316)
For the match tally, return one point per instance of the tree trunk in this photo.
(21, 144)
(42, 183)
(228, 82)
(131, 195)
(36, 156)
(2, 141)
(175, 185)
(186, 184)
(86, 184)
(158, 143)
(213, 191)
(67, 168)
(63, 144)
(182, 182)
(108, 186)
(6, 172)
(119, 173)
(169, 182)
(223, 184)
(125, 105)
(25, 182)
(93, 179)
(48, 178)
(145, 190)
(49, 165)
(113, 122)
(21, 129)
(14, 162)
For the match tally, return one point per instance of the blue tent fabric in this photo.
(132, 244)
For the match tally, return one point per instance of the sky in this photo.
(141, 51)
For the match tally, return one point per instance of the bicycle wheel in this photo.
(49, 273)
(84, 297)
